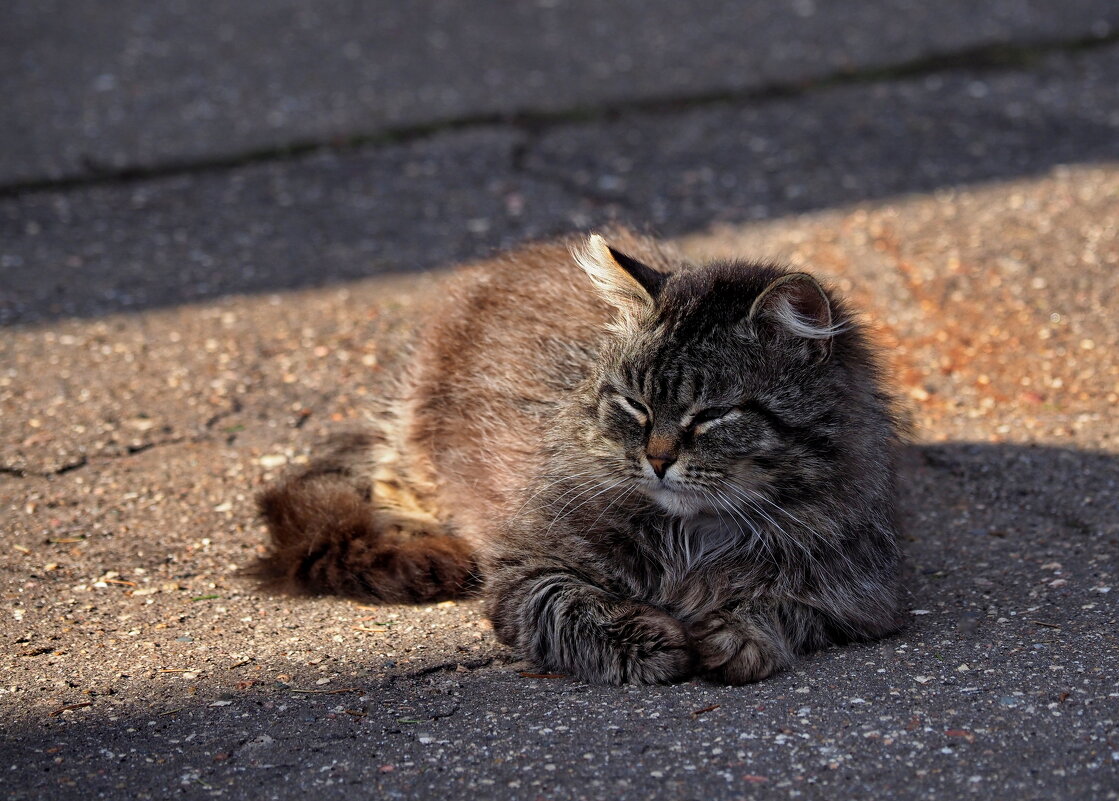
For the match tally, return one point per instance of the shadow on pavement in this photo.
(1012, 649)
(336, 217)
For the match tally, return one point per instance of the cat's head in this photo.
(716, 389)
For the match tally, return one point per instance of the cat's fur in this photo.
(682, 470)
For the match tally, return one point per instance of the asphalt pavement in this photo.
(216, 221)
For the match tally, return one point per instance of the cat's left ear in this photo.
(798, 305)
(624, 282)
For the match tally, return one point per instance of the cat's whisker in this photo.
(555, 481)
(784, 536)
(810, 531)
(611, 504)
(582, 489)
(724, 503)
(728, 545)
(560, 515)
(749, 502)
(608, 504)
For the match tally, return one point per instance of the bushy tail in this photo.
(328, 535)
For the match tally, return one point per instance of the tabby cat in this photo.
(664, 471)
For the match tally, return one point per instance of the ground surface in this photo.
(208, 246)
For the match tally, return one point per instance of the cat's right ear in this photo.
(624, 282)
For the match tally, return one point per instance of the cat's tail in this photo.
(330, 535)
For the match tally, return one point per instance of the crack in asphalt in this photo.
(519, 163)
(445, 667)
(979, 58)
(86, 461)
(19, 472)
(235, 407)
(129, 450)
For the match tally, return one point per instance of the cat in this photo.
(651, 470)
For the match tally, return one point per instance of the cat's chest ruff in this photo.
(692, 562)
(693, 543)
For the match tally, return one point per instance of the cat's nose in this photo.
(660, 464)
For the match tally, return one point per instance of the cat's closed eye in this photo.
(634, 407)
(709, 415)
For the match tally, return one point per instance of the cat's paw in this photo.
(649, 647)
(732, 650)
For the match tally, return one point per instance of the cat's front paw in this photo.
(732, 649)
(649, 647)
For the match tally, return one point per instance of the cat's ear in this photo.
(798, 305)
(623, 281)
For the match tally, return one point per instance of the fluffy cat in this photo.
(666, 470)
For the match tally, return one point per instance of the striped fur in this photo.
(664, 471)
